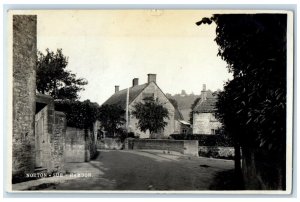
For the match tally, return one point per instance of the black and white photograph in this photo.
(150, 101)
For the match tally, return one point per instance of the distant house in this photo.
(182, 127)
(136, 93)
(204, 121)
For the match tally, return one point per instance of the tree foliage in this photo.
(253, 104)
(79, 114)
(53, 79)
(151, 115)
(256, 55)
(111, 118)
(192, 107)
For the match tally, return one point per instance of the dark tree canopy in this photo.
(79, 114)
(252, 106)
(256, 55)
(151, 115)
(111, 118)
(53, 79)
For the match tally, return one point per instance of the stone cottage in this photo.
(136, 93)
(204, 120)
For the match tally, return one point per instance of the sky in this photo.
(111, 47)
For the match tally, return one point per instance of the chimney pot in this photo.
(135, 82)
(151, 78)
(204, 93)
(117, 88)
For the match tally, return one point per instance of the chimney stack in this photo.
(135, 82)
(204, 93)
(151, 78)
(117, 88)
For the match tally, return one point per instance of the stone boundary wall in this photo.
(80, 145)
(216, 152)
(50, 142)
(187, 147)
(109, 144)
(58, 142)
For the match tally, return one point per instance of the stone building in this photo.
(24, 62)
(136, 93)
(204, 121)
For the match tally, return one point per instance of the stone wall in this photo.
(24, 85)
(187, 147)
(109, 144)
(50, 129)
(203, 123)
(80, 145)
(216, 152)
(58, 142)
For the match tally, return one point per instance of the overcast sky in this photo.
(111, 48)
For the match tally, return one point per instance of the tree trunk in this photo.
(237, 157)
(237, 166)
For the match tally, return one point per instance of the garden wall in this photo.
(80, 145)
(109, 144)
(187, 147)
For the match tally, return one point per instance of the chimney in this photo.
(117, 88)
(151, 78)
(204, 93)
(135, 82)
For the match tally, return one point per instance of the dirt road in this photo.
(141, 170)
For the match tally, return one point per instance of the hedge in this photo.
(206, 140)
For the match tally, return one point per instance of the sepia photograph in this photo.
(150, 101)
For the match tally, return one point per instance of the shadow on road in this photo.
(96, 155)
(227, 180)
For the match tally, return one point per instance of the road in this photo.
(141, 170)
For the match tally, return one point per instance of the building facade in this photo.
(204, 120)
(136, 93)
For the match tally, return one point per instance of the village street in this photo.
(141, 170)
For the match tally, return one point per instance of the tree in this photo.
(111, 118)
(192, 108)
(79, 114)
(53, 79)
(252, 106)
(151, 115)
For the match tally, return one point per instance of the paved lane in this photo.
(142, 170)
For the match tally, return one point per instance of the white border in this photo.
(289, 128)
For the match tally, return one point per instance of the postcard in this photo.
(150, 101)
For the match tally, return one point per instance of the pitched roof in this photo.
(184, 122)
(178, 115)
(119, 98)
(208, 105)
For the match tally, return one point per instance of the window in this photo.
(213, 131)
(148, 95)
